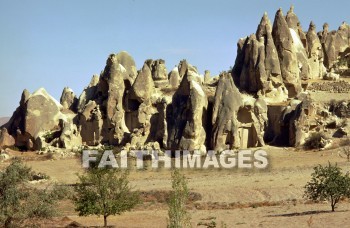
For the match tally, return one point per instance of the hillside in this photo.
(4, 120)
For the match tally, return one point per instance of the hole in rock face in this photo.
(244, 115)
(131, 107)
(208, 125)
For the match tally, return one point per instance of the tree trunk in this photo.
(105, 220)
(333, 207)
(8, 222)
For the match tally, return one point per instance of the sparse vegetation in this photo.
(104, 192)
(345, 150)
(328, 183)
(19, 202)
(178, 215)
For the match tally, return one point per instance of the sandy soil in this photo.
(231, 198)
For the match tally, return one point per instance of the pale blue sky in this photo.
(54, 44)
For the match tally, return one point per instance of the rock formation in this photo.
(227, 102)
(187, 113)
(287, 54)
(69, 100)
(6, 140)
(266, 98)
(315, 54)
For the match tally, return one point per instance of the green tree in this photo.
(178, 215)
(328, 183)
(19, 202)
(104, 192)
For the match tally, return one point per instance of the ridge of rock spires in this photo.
(334, 43)
(257, 67)
(260, 101)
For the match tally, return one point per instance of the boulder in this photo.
(6, 140)
(70, 136)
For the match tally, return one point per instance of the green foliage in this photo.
(104, 192)
(178, 215)
(19, 202)
(328, 183)
(316, 140)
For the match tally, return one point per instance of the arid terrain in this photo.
(287, 93)
(243, 198)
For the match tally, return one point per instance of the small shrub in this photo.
(19, 202)
(104, 192)
(178, 215)
(328, 183)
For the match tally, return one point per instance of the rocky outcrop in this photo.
(125, 59)
(37, 116)
(315, 53)
(299, 42)
(143, 87)
(6, 140)
(294, 23)
(174, 78)
(69, 100)
(334, 43)
(265, 98)
(112, 87)
(257, 68)
(287, 54)
(186, 116)
(227, 102)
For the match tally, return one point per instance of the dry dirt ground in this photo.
(229, 198)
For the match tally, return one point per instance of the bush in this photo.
(328, 183)
(178, 215)
(104, 192)
(316, 140)
(18, 202)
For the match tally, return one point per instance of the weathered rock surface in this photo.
(287, 54)
(227, 102)
(174, 78)
(257, 68)
(6, 140)
(315, 53)
(144, 85)
(69, 100)
(266, 98)
(186, 115)
(334, 43)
